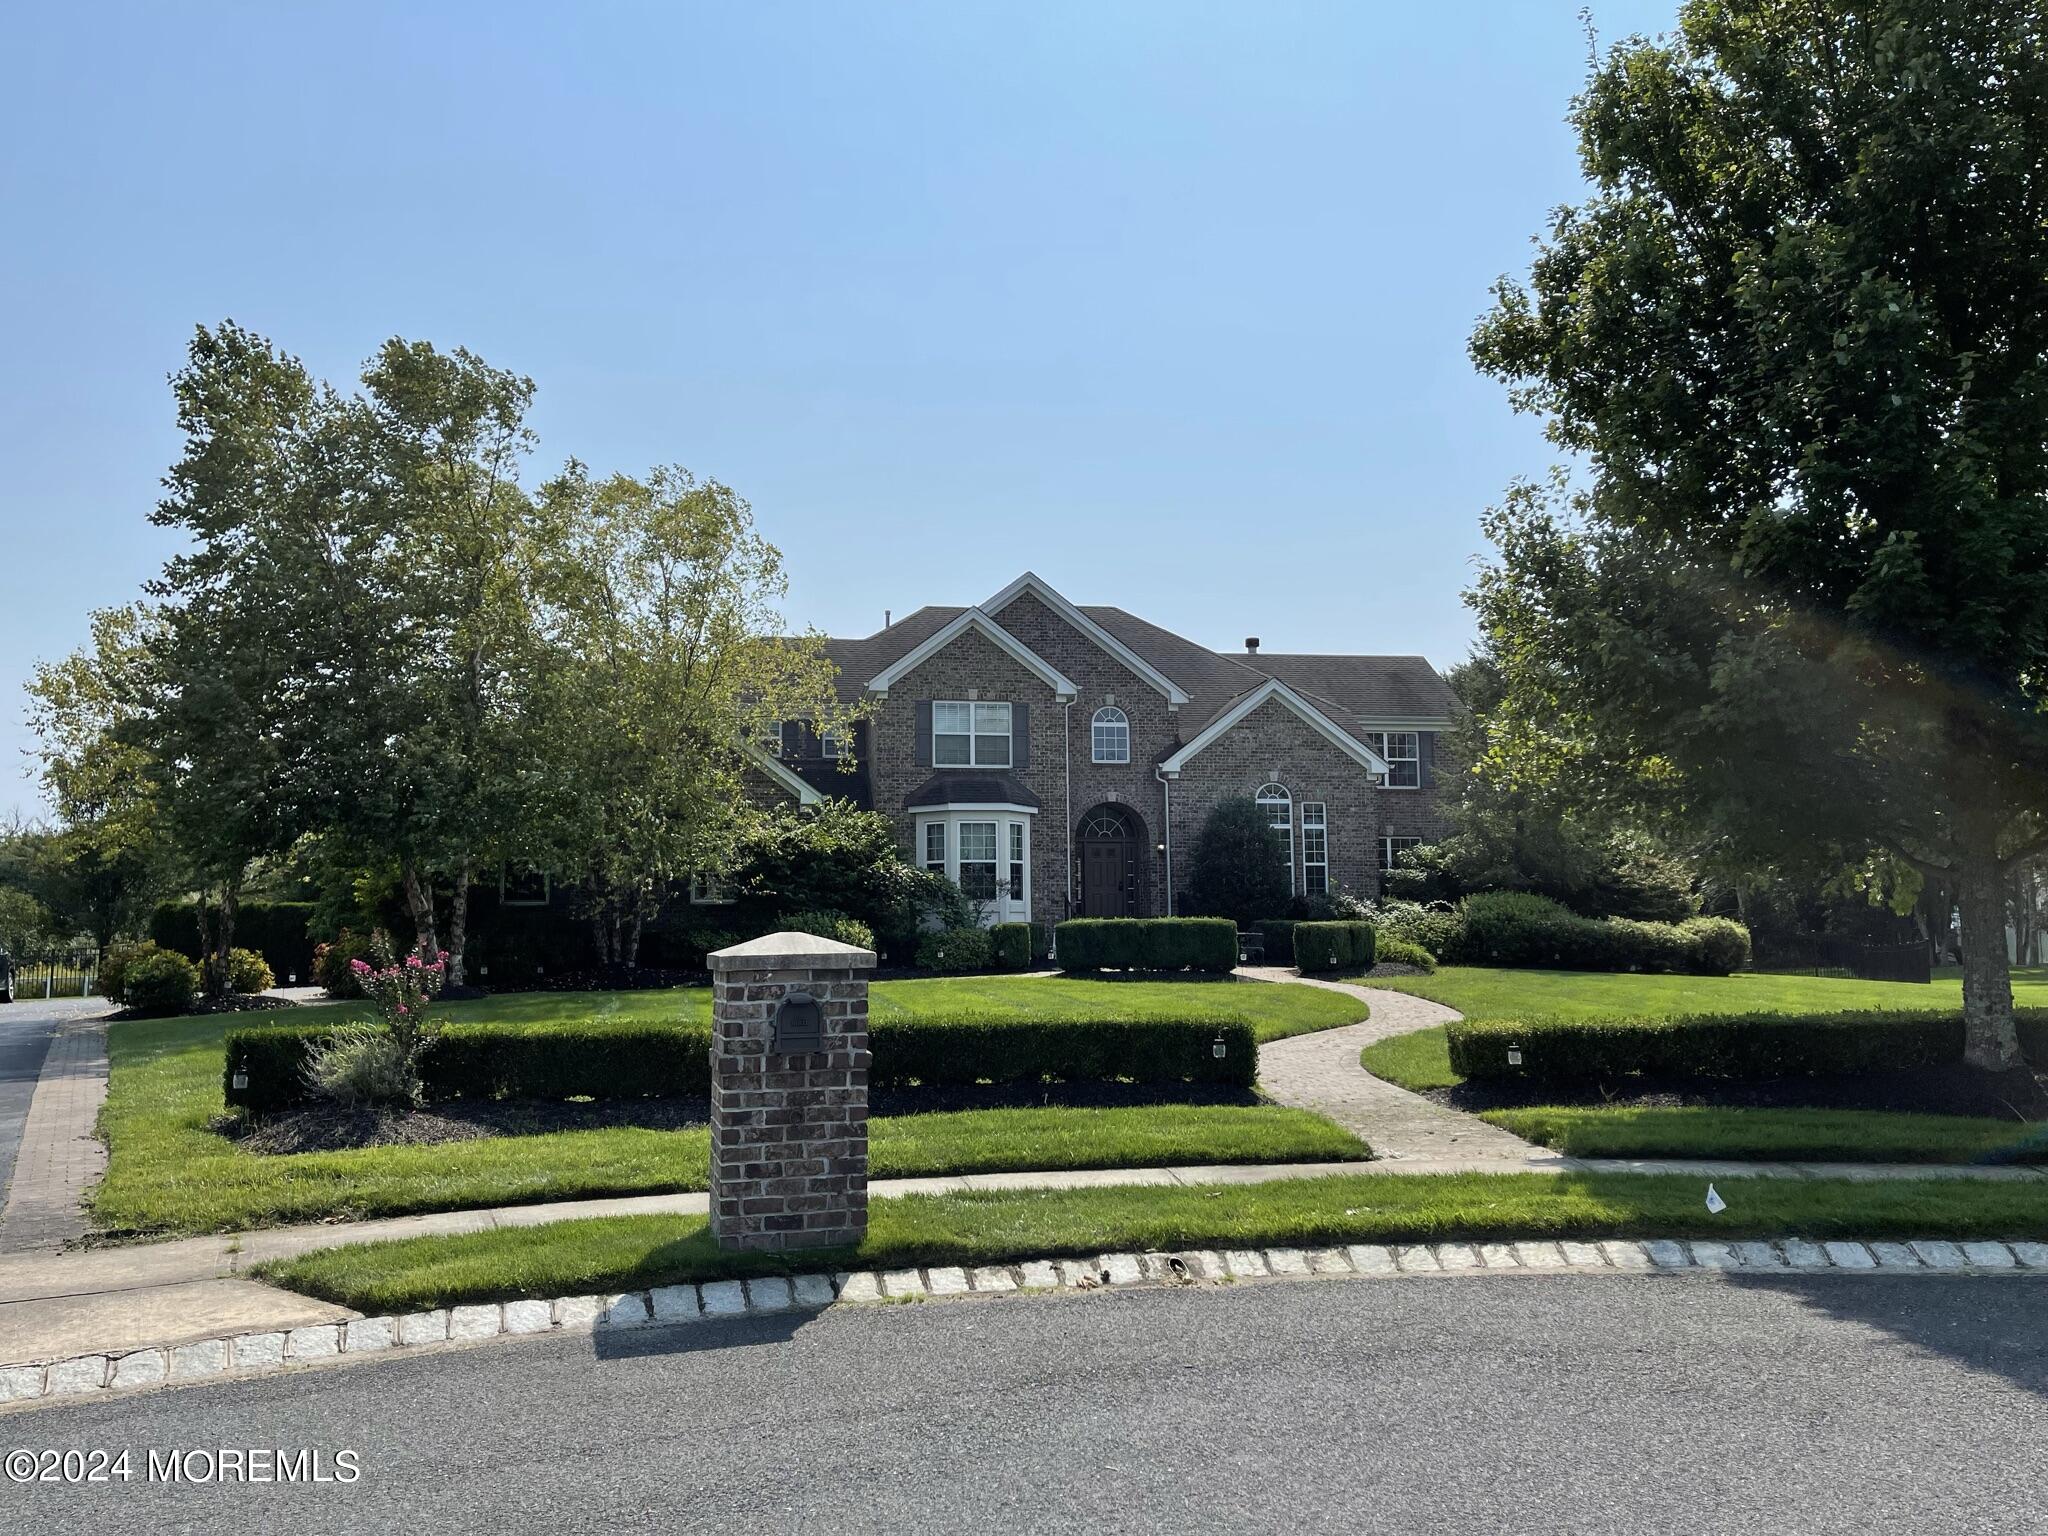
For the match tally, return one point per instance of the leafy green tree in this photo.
(1799, 605)
(664, 659)
(1235, 870)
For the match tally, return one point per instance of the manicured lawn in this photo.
(1482, 993)
(168, 1173)
(1421, 1061)
(1835, 1135)
(574, 1258)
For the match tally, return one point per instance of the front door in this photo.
(1102, 877)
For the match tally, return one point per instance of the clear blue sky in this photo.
(1167, 302)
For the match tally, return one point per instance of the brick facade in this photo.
(789, 1132)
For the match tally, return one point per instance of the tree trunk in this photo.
(419, 900)
(1990, 1039)
(458, 924)
(631, 957)
(217, 980)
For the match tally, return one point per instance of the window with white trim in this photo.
(978, 860)
(1391, 846)
(1279, 808)
(935, 847)
(833, 745)
(1016, 861)
(710, 891)
(772, 734)
(1403, 753)
(1111, 735)
(1315, 849)
(970, 735)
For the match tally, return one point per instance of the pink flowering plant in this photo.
(401, 991)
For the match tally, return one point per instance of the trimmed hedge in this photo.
(1278, 933)
(1391, 949)
(1014, 946)
(1333, 946)
(629, 1061)
(1740, 1046)
(1147, 944)
(276, 930)
(1513, 928)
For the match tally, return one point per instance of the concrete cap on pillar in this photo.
(790, 951)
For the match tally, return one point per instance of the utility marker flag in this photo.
(1715, 1203)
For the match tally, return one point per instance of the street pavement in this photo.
(1512, 1404)
(26, 1029)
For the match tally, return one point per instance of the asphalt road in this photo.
(1512, 1404)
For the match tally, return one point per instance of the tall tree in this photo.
(666, 658)
(1796, 333)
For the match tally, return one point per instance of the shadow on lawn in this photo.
(1997, 1324)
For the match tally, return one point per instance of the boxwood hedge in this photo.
(1147, 944)
(1334, 946)
(1744, 1046)
(628, 1061)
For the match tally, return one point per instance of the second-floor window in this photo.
(970, 735)
(1111, 735)
(1403, 752)
(833, 745)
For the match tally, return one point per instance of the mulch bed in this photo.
(1953, 1090)
(240, 1002)
(327, 1129)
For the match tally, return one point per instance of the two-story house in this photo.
(1059, 761)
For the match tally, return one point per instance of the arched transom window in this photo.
(1112, 735)
(1279, 808)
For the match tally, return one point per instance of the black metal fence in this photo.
(1867, 962)
(63, 975)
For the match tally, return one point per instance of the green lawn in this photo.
(1830, 1135)
(1479, 992)
(168, 1173)
(620, 1253)
(1421, 1061)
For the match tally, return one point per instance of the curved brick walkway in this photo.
(1321, 1072)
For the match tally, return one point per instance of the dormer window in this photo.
(970, 734)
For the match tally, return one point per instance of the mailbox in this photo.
(799, 1025)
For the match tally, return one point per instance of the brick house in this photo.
(1059, 761)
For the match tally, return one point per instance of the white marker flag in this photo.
(1715, 1203)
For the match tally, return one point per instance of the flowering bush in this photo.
(380, 1062)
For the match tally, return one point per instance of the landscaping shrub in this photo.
(1333, 946)
(160, 981)
(360, 1065)
(1147, 944)
(1515, 928)
(275, 930)
(1732, 1046)
(955, 949)
(602, 1060)
(248, 973)
(333, 963)
(831, 925)
(1278, 933)
(1010, 946)
(1438, 928)
(113, 971)
(1234, 869)
(1394, 950)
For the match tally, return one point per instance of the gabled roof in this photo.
(974, 618)
(1400, 688)
(773, 766)
(1273, 690)
(1078, 617)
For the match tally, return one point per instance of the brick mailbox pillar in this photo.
(789, 1092)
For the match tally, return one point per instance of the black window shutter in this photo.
(924, 733)
(1425, 752)
(1020, 735)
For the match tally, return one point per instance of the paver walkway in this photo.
(1321, 1072)
(58, 1159)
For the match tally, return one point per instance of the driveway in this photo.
(26, 1029)
(1787, 1403)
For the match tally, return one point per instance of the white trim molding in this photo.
(1036, 586)
(1273, 688)
(774, 768)
(1009, 644)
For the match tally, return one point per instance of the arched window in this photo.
(1279, 808)
(1112, 733)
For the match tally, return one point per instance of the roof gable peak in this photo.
(1043, 590)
